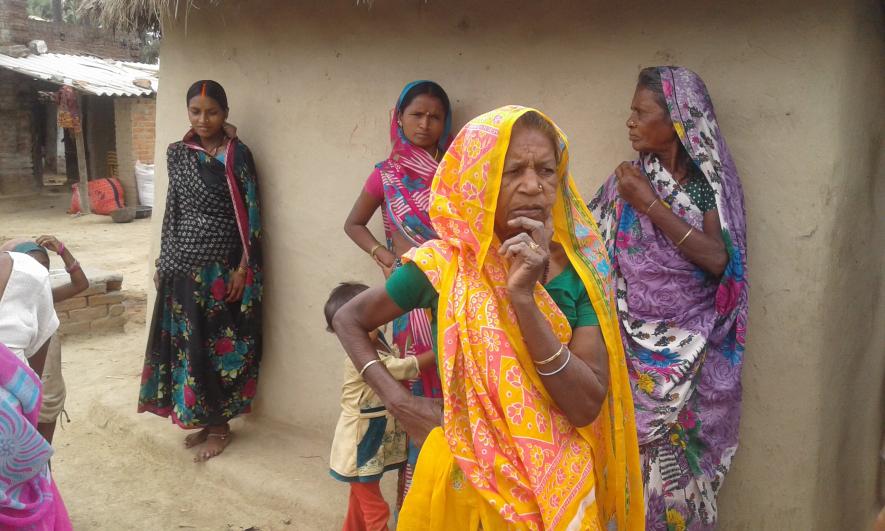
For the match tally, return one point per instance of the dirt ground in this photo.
(119, 470)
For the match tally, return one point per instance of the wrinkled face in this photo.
(43, 258)
(649, 127)
(423, 121)
(529, 180)
(206, 116)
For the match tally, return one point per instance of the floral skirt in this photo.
(201, 364)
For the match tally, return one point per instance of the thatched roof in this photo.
(138, 15)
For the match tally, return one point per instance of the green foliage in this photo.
(43, 9)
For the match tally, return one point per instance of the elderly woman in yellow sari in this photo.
(537, 426)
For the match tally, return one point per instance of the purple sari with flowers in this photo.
(683, 329)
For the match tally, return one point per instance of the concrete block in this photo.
(108, 324)
(88, 314)
(112, 297)
(67, 329)
(116, 309)
(70, 304)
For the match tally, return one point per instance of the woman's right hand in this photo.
(419, 416)
(634, 187)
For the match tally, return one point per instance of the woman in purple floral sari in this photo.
(675, 226)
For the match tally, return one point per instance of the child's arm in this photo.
(409, 367)
(426, 359)
(78, 282)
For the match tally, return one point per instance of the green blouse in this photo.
(409, 288)
(699, 190)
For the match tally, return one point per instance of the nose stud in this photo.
(540, 187)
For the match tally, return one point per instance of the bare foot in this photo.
(216, 441)
(197, 438)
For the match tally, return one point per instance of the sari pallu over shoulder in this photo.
(242, 184)
(506, 437)
(684, 331)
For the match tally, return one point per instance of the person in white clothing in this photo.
(27, 314)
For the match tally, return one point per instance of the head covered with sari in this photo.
(503, 430)
(684, 330)
(407, 172)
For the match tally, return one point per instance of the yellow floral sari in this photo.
(506, 456)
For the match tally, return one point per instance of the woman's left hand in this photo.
(634, 187)
(50, 243)
(529, 253)
(236, 286)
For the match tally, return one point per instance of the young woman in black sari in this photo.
(204, 346)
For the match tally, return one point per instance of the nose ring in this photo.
(540, 187)
(631, 124)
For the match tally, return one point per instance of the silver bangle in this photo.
(367, 365)
(561, 367)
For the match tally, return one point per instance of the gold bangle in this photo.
(242, 269)
(369, 364)
(375, 249)
(647, 210)
(687, 234)
(552, 358)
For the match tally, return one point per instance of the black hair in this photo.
(535, 120)
(341, 295)
(207, 87)
(429, 88)
(650, 78)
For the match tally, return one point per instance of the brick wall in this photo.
(144, 116)
(16, 165)
(135, 119)
(17, 28)
(73, 39)
(13, 20)
(98, 309)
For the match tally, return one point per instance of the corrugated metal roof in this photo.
(92, 75)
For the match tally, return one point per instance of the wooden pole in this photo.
(85, 207)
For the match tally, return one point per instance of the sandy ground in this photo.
(119, 470)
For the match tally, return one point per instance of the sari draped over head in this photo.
(506, 437)
(405, 177)
(683, 329)
(28, 496)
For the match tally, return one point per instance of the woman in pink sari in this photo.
(420, 129)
